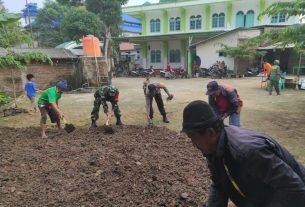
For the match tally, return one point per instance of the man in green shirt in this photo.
(275, 75)
(48, 104)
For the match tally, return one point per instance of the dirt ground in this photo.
(136, 166)
(281, 117)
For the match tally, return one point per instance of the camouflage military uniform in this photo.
(102, 95)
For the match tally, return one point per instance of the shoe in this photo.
(93, 124)
(119, 122)
(165, 120)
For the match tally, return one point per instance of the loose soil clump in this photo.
(135, 166)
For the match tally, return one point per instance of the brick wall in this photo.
(44, 74)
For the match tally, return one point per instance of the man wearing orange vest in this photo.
(225, 101)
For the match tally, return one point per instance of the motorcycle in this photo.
(251, 72)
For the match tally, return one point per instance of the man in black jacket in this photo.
(247, 167)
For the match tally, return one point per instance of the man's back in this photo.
(263, 170)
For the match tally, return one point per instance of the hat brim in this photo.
(210, 93)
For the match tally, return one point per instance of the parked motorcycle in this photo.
(251, 72)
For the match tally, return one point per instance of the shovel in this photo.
(68, 127)
(107, 128)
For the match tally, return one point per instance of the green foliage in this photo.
(11, 32)
(79, 23)
(4, 99)
(70, 2)
(281, 37)
(294, 8)
(108, 11)
(20, 60)
(47, 24)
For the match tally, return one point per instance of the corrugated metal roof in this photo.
(53, 53)
(130, 19)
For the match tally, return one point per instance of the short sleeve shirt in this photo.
(30, 88)
(49, 96)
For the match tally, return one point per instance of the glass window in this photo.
(178, 23)
(240, 19)
(172, 24)
(282, 18)
(250, 19)
(198, 22)
(157, 25)
(153, 56)
(152, 25)
(178, 57)
(192, 22)
(221, 20)
(158, 56)
(215, 20)
(274, 19)
(172, 56)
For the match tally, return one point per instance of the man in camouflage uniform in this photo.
(102, 95)
(275, 75)
(153, 90)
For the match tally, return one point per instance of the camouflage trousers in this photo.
(96, 108)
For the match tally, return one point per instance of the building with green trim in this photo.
(170, 27)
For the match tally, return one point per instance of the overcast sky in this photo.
(17, 5)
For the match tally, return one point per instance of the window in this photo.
(221, 20)
(172, 24)
(274, 19)
(178, 23)
(158, 25)
(174, 56)
(240, 19)
(278, 18)
(249, 19)
(158, 56)
(155, 25)
(215, 20)
(155, 56)
(192, 22)
(282, 18)
(152, 25)
(198, 22)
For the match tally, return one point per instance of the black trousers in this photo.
(160, 105)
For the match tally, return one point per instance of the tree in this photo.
(9, 24)
(78, 23)
(71, 2)
(110, 13)
(47, 24)
(11, 32)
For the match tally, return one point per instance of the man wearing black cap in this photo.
(225, 101)
(247, 167)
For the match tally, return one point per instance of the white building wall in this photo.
(175, 44)
(208, 51)
(173, 13)
(190, 11)
(154, 46)
(219, 8)
(154, 15)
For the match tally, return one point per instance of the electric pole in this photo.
(29, 16)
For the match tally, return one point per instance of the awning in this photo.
(276, 46)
